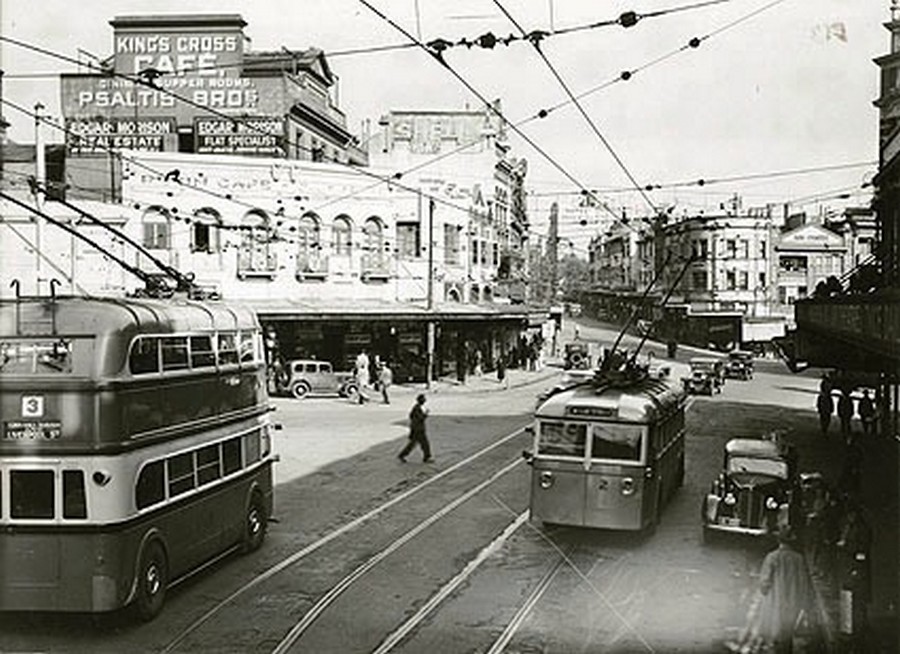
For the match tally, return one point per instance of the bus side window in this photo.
(74, 504)
(202, 354)
(181, 473)
(208, 464)
(231, 455)
(174, 352)
(150, 487)
(31, 494)
(227, 349)
(248, 347)
(144, 357)
(251, 443)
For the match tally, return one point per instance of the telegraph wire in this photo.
(440, 59)
(536, 43)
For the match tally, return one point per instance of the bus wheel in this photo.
(254, 525)
(300, 390)
(152, 579)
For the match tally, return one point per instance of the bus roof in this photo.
(640, 402)
(93, 315)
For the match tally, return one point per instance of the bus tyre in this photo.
(153, 576)
(300, 390)
(255, 524)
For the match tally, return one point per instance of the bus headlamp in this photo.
(730, 499)
(628, 486)
(546, 479)
(101, 477)
(771, 503)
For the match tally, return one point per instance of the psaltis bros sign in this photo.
(195, 63)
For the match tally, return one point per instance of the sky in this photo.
(775, 85)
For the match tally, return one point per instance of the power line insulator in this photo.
(628, 19)
(487, 41)
(626, 75)
(694, 42)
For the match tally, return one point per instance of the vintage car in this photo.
(707, 376)
(739, 365)
(754, 492)
(578, 356)
(303, 377)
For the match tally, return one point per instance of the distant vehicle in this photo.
(303, 377)
(739, 365)
(753, 494)
(707, 376)
(578, 356)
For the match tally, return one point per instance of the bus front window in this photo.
(616, 441)
(561, 439)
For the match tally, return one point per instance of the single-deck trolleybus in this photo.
(135, 445)
(608, 452)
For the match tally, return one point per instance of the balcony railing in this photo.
(311, 266)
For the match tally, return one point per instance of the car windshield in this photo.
(757, 466)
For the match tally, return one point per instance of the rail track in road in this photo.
(292, 597)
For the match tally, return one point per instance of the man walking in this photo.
(787, 590)
(825, 407)
(417, 436)
(866, 409)
(845, 413)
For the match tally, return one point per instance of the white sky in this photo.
(781, 90)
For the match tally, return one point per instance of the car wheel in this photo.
(153, 573)
(300, 390)
(255, 524)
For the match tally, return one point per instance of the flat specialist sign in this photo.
(262, 135)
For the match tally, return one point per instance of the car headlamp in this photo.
(771, 503)
(730, 499)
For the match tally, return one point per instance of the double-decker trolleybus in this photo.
(608, 452)
(135, 446)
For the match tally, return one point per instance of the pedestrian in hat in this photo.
(417, 435)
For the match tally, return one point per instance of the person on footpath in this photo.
(845, 413)
(502, 377)
(417, 435)
(362, 376)
(787, 592)
(385, 379)
(866, 409)
(825, 407)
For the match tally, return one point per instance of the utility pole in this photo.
(552, 250)
(40, 170)
(429, 374)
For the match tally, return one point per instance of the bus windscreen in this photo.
(616, 441)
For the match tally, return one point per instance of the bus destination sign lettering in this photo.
(592, 411)
(32, 430)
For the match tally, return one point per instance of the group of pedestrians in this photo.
(379, 376)
(865, 408)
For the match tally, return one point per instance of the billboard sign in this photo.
(263, 135)
(100, 135)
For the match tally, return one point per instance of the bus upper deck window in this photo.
(174, 352)
(74, 504)
(202, 354)
(144, 357)
(31, 494)
(227, 348)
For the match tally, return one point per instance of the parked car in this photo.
(739, 365)
(707, 376)
(755, 491)
(303, 377)
(578, 356)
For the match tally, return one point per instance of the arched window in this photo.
(373, 234)
(341, 230)
(206, 231)
(256, 254)
(488, 294)
(157, 229)
(474, 294)
(309, 249)
(453, 294)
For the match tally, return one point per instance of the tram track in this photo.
(333, 546)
